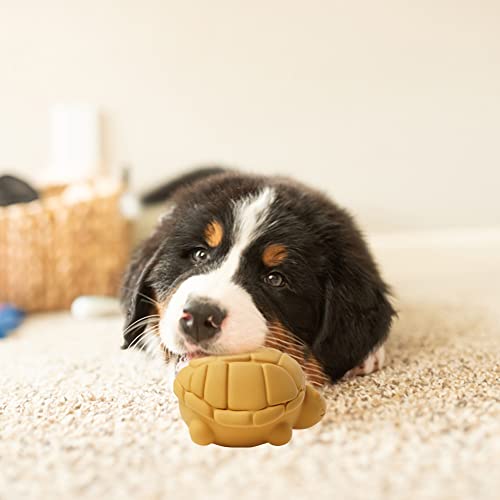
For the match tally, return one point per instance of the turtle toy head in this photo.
(313, 409)
(246, 399)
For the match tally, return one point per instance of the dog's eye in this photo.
(275, 279)
(200, 255)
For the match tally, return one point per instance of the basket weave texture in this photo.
(73, 241)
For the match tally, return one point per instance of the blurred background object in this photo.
(88, 306)
(75, 143)
(73, 241)
(10, 319)
(14, 190)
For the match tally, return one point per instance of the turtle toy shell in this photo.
(246, 399)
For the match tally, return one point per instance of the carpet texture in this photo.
(81, 419)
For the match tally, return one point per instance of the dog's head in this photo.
(242, 261)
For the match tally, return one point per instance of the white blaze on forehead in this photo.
(249, 217)
(244, 328)
(250, 213)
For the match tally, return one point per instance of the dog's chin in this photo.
(183, 359)
(182, 352)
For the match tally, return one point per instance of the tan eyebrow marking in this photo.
(214, 233)
(274, 254)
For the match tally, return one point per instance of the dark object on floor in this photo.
(10, 319)
(14, 190)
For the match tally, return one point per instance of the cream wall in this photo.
(391, 106)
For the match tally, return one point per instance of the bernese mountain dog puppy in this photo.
(240, 261)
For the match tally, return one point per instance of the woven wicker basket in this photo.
(71, 242)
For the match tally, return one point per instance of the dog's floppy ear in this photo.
(137, 296)
(357, 318)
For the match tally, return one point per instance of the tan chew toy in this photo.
(246, 399)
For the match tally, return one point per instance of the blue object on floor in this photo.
(10, 319)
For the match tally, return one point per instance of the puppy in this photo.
(241, 261)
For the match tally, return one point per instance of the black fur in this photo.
(334, 299)
(164, 192)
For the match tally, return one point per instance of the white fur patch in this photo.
(372, 363)
(244, 327)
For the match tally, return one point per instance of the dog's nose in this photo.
(201, 320)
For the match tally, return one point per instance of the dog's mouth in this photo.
(196, 354)
(184, 359)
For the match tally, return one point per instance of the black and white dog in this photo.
(240, 261)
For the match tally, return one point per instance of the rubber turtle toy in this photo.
(246, 399)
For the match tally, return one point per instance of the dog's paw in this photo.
(372, 363)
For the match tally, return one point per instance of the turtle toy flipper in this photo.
(246, 399)
(200, 432)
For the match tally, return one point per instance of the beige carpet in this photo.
(81, 419)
